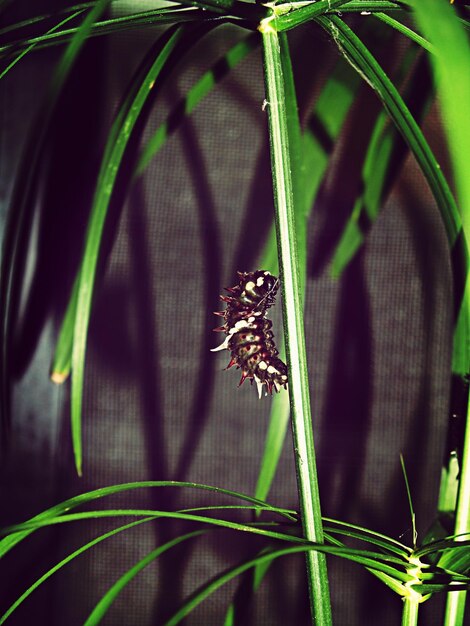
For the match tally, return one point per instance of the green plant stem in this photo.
(293, 324)
(287, 16)
(455, 607)
(439, 23)
(410, 612)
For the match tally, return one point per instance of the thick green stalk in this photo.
(293, 323)
(410, 612)
(440, 24)
(456, 600)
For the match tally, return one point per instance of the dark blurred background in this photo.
(158, 404)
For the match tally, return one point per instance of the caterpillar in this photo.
(249, 336)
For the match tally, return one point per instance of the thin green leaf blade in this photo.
(405, 30)
(31, 46)
(63, 354)
(114, 153)
(65, 561)
(255, 528)
(275, 437)
(360, 57)
(7, 543)
(20, 214)
(451, 63)
(194, 96)
(383, 158)
(105, 602)
(381, 569)
(218, 582)
(161, 16)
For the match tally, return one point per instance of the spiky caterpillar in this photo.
(249, 336)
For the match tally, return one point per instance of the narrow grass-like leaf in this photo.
(64, 562)
(256, 528)
(448, 544)
(114, 152)
(220, 6)
(63, 354)
(103, 605)
(275, 437)
(194, 96)
(371, 6)
(461, 343)
(367, 205)
(163, 15)
(10, 541)
(23, 203)
(235, 507)
(451, 61)
(369, 559)
(360, 57)
(293, 322)
(452, 588)
(218, 582)
(32, 45)
(346, 529)
(410, 501)
(37, 19)
(380, 164)
(456, 559)
(405, 30)
(451, 64)
(381, 569)
(62, 361)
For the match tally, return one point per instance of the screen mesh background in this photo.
(158, 404)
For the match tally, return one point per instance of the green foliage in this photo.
(283, 134)
(299, 163)
(405, 570)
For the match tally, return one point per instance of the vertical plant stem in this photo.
(455, 607)
(440, 24)
(410, 612)
(293, 324)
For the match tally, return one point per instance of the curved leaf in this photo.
(7, 543)
(186, 106)
(31, 46)
(103, 605)
(360, 57)
(118, 140)
(163, 15)
(23, 203)
(64, 562)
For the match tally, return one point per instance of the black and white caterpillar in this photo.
(249, 337)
